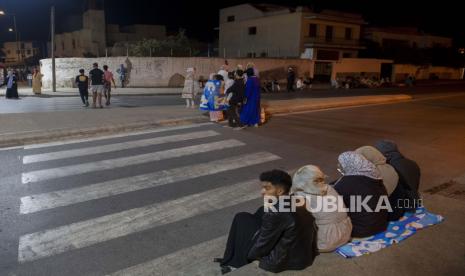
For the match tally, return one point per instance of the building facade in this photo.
(95, 36)
(405, 37)
(13, 55)
(250, 30)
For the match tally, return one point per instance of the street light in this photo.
(14, 29)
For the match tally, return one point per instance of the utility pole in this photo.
(52, 49)
(17, 41)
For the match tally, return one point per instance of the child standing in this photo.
(82, 82)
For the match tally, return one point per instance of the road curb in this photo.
(21, 139)
(272, 109)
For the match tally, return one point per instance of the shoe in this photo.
(217, 260)
(239, 128)
(84, 105)
(225, 269)
(87, 104)
(256, 125)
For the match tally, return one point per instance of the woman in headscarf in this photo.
(250, 113)
(213, 98)
(191, 87)
(37, 82)
(390, 179)
(361, 179)
(334, 228)
(11, 86)
(408, 171)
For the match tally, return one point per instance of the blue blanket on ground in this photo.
(396, 232)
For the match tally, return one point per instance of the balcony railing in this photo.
(332, 42)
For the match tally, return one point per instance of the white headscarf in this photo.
(353, 163)
(309, 180)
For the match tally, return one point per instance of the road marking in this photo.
(195, 260)
(76, 141)
(40, 202)
(86, 233)
(47, 174)
(116, 147)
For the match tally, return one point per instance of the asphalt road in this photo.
(162, 201)
(64, 103)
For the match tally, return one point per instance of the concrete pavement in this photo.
(160, 202)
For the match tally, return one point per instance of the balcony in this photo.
(324, 42)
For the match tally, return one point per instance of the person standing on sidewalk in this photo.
(11, 86)
(82, 82)
(97, 79)
(191, 87)
(108, 75)
(290, 79)
(37, 81)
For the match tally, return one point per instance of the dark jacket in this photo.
(364, 224)
(237, 90)
(286, 241)
(408, 171)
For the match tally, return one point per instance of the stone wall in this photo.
(165, 72)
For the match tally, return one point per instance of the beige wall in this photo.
(350, 66)
(163, 72)
(424, 72)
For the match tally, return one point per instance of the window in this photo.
(348, 34)
(329, 33)
(312, 31)
(252, 30)
(231, 18)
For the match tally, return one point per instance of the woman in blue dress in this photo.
(250, 113)
(213, 98)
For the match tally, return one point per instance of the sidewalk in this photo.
(38, 127)
(67, 92)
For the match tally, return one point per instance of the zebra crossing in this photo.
(182, 155)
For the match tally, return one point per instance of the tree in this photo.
(177, 45)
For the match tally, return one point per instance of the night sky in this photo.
(200, 19)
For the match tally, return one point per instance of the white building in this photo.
(251, 30)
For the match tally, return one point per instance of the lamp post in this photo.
(15, 29)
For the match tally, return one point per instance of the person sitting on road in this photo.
(408, 171)
(334, 227)
(390, 177)
(361, 179)
(279, 240)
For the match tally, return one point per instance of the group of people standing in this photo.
(232, 94)
(11, 83)
(290, 240)
(99, 83)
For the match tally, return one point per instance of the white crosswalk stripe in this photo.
(77, 141)
(53, 173)
(118, 146)
(86, 233)
(195, 260)
(65, 241)
(35, 203)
